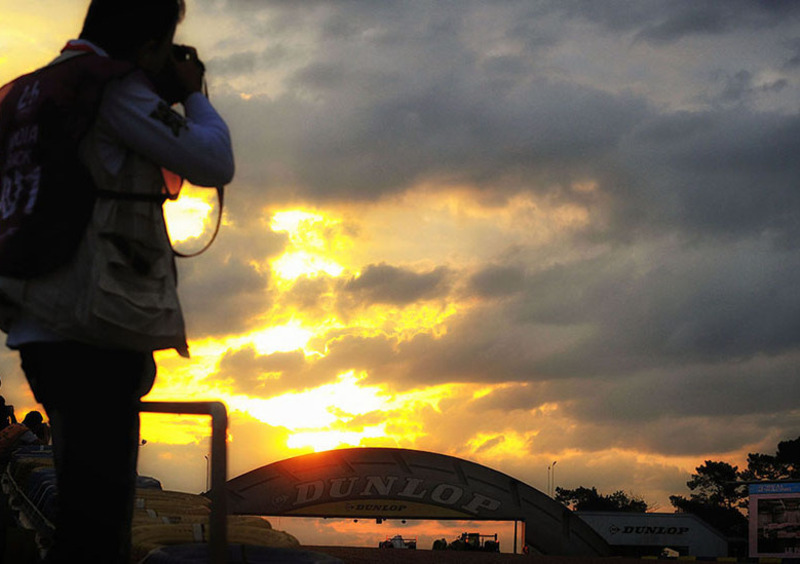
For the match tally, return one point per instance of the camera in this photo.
(182, 65)
(183, 53)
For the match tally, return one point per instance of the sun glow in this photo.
(319, 441)
(302, 263)
(345, 411)
(507, 444)
(323, 406)
(313, 240)
(282, 338)
(292, 221)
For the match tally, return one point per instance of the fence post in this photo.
(219, 466)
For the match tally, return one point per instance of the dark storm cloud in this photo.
(674, 413)
(404, 92)
(729, 172)
(741, 88)
(677, 305)
(346, 146)
(659, 22)
(399, 93)
(495, 281)
(387, 284)
(793, 62)
(678, 436)
(757, 387)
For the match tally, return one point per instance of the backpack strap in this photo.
(128, 196)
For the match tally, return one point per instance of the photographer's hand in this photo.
(189, 70)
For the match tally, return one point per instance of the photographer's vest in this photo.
(46, 192)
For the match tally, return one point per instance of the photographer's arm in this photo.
(197, 146)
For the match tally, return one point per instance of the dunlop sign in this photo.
(394, 483)
(370, 495)
(647, 530)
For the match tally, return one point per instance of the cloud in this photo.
(678, 306)
(259, 375)
(726, 173)
(382, 108)
(497, 281)
(223, 290)
(659, 22)
(386, 284)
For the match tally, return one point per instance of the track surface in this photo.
(351, 555)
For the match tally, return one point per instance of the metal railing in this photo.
(219, 466)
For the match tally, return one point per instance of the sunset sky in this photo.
(515, 232)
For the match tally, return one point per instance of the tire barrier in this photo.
(168, 526)
(157, 495)
(170, 503)
(146, 538)
(153, 518)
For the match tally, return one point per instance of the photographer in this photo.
(87, 324)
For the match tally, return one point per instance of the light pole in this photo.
(551, 478)
(208, 473)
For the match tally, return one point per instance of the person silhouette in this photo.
(7, 416)
(86, 327)
(34, 421)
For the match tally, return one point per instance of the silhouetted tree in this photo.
(783, 465)
(717, 484)
(586, 499)
(719, 490)
(716, 493)
(727, 520)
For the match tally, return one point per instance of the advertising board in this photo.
(775, 520)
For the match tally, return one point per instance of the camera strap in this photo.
(220, 199)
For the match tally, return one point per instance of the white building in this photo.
(651, 534)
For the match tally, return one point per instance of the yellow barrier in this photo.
(146, 538)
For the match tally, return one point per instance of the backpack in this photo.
(46, 193)
(10, 438)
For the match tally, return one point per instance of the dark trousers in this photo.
(91, 396)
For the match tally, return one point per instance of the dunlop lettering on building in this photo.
(386, 483)
(648, 534)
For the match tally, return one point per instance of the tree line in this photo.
(718, 490)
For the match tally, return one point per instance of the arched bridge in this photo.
(392, 483)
